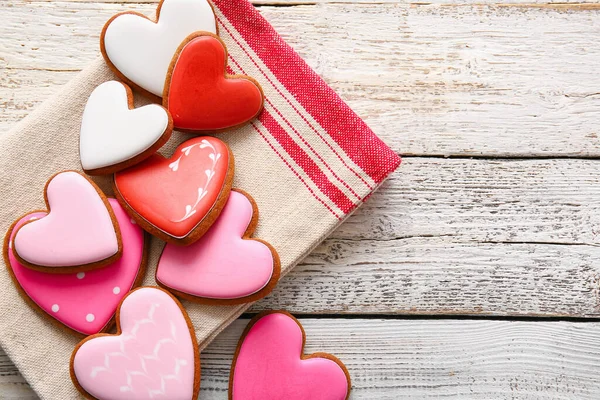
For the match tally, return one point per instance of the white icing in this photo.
(80, 275)
(116, 290)
(142, 50)
(55, 308)
(90, 318)
(111, 133)
(210, 173)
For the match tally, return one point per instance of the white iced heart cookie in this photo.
(114, 135)
(140, 50)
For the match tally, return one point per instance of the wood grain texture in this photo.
(431, 79)
(427, 359)
(500, 237)
(436, 276)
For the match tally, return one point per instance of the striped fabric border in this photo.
(322, 141)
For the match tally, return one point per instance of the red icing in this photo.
(167, 193)
(202, 97)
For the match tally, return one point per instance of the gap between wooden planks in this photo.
(431, 80)
(425, 359)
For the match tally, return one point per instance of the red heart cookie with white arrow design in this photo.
(201, 96)
(225, 266)
(85, 302)
(154, 354)
(179, 198)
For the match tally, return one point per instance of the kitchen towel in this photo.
(308, 161)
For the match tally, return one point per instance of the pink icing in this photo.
(153, 357)
(269, 366)
(75, 299)
(221, 265)
(77, 231)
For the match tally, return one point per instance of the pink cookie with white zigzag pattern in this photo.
(153, 355)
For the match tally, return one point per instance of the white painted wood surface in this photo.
(513, 232)
(513, 80)
(425, 359)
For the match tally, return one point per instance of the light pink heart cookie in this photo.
(154, 354)
(225, 266)
(269, 364)
(79, 233)
(84, 302)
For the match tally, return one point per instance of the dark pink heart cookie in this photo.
(269, 364)
(85, 302)
(225, 266)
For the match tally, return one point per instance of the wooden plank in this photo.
(440, 276)
(429, 359)
(446, 236)
(12, 385)
(430, 79)
(484, 201)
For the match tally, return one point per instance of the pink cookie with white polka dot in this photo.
(85, 302)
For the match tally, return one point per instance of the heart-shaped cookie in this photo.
(154, 354)
(269, 364)
(84, 302)
(140, 50)
(115, 135)
(224, 266)
(79, 233)
(201, 96)
(179, 198)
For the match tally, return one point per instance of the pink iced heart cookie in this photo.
(84, 302)
(269, 364)
(225, 266)
(154, 354)
(79, 233)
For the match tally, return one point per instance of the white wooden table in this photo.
(474, 273)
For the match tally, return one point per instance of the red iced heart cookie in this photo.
(269, 364)
(179, 198)
(85, 302)
(224, 266)
(154, 354)
(200, 95)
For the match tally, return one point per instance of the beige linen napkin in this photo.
(308, 161)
